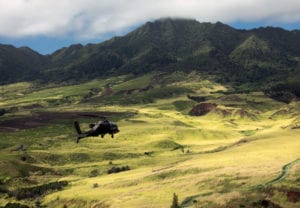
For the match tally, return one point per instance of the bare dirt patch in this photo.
(202, 109)
(44, 118)
(293, 196)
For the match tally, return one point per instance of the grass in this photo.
(166, 149)
(135, 83)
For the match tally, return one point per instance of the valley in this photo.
(242, 152)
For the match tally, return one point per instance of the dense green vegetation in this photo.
(260, 57)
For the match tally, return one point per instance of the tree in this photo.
(175, 201)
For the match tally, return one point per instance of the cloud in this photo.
(93, 18)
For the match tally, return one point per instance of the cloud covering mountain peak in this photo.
(92, 18)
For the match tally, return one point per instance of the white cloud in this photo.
(92, 18)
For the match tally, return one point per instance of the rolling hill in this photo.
(241, 150)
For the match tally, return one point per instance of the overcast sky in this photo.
(46, 25)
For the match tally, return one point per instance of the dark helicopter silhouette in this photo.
(100, 128)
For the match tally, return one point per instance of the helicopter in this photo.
(102, 127)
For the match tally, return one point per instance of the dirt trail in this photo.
(223, 148)
(284, 173)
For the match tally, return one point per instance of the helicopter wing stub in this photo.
(80, 136)
(83, 135)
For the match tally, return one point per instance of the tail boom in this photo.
(77, 127)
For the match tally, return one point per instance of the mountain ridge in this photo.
(166, 45)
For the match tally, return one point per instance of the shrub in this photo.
(282, 96)
(36, 191)
(2, 112)
(15, 205)
(118, 169)
(94, 173)
(182, 105)
(197, 98)
(284, 92)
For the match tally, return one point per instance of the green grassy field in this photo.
(216, 160)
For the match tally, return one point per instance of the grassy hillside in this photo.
(243, 153)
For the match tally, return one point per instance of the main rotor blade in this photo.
(93, 116)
